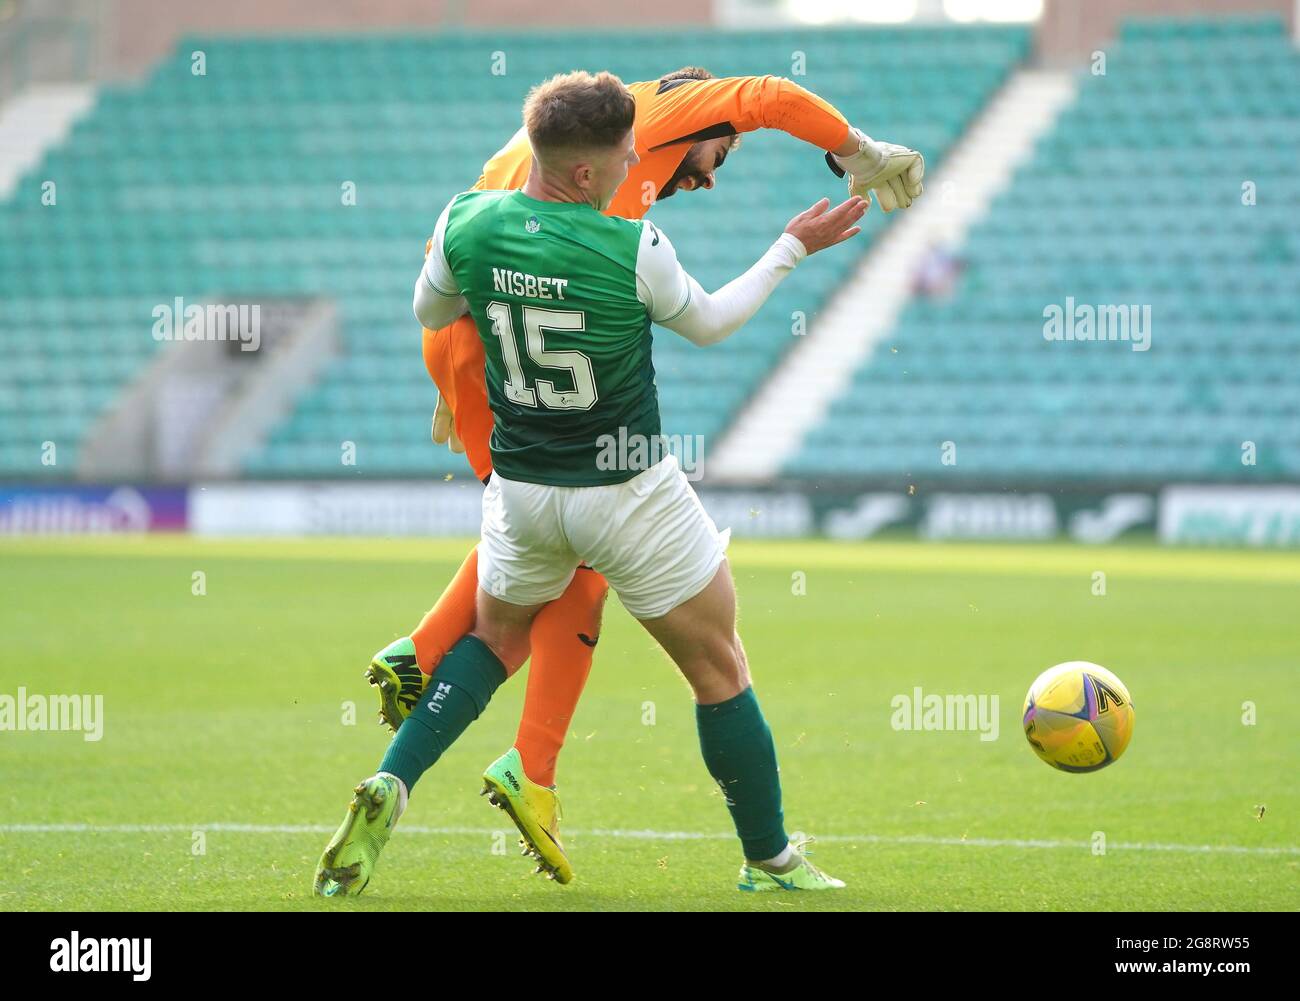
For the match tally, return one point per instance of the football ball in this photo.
(1078, 717)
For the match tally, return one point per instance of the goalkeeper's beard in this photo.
(674, 182)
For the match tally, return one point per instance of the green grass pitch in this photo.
(225, 715)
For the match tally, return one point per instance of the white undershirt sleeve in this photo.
(438, 299)
(675, 300)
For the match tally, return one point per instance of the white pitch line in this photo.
(647, 835)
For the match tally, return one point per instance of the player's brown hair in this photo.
(578, 110)
(687, 73)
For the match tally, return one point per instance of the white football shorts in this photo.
(650, 536)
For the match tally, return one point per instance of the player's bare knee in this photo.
(507, 644)
(717, 672)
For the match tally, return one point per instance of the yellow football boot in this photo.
(800, 875)
(399, 680)
(535, 809)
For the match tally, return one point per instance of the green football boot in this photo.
(349, 859)
(400, 681)
(802, 875)
(534, 808)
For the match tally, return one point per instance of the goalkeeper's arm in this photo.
(675, 300)
(687, 110)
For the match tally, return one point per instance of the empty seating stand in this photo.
(233, 182)
(1134, 197)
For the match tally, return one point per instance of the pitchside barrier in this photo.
(1262, 517)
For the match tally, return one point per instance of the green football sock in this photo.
(459, 690)
(740, 755)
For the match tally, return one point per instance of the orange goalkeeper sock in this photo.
(563, 641)
(450, 619)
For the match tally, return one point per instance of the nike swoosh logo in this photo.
(588, 640)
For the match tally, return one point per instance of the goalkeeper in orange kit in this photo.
(686, 125)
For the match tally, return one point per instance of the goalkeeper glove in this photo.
(893, 172)
(444, 427)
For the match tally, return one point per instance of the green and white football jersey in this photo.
(552, 288)
(563, 298)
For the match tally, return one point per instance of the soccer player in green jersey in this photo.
(563, 298)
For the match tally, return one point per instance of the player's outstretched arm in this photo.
(675, 300)
(893, 173)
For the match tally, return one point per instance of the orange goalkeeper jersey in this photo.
(670, 117)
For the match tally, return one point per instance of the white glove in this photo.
(444, 427)
(893, 172)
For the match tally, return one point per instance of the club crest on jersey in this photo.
(533, 224)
